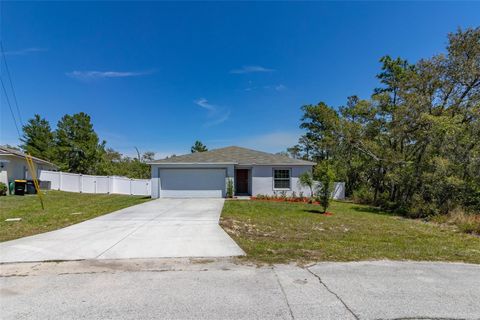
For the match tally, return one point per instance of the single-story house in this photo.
(13, 165)
(206, 174)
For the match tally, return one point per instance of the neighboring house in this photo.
(13, 165)
(205, 174)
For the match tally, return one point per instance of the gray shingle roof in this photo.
(235, 155)
(9, 151)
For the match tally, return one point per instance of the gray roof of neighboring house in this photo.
(5, 151)
(234, 155)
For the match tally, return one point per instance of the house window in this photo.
(281, 179)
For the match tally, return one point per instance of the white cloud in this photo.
(163, 154)
(25, 51)
(216, 114)
(277, 87)
(251, 69)
(219, 120)
(202, 102)
(90, 75)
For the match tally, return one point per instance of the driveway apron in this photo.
(161, 228)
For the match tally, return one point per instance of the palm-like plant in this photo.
(306, 180)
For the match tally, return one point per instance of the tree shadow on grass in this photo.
(313, 211)
(374, 210)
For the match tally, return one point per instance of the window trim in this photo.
(289, 178)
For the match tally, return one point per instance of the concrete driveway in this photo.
(156, 229)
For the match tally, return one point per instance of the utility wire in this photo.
(11, 84)
(10, 79)
(28, 157)
(10, 107)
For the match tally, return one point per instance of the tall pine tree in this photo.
(38, 138)
(198, 147)
(77, 145)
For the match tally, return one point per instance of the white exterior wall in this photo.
(4, 175)
(16, 168)
(262, 180)
(155, 181)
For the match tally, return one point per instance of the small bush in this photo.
(471, 198)
(325, 176)
(363, 195)
(306, 180)
(229, 188)
(3, 189)
(420, 208)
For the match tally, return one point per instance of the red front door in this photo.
(241, 181)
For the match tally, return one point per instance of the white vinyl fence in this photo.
(338, 192)
(95, 184)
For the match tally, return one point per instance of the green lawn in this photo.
(59, 207)
(277, 232)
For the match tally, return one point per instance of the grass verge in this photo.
(280, 232)
(61, 209)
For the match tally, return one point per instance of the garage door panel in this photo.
(187, 183)
(191, 193)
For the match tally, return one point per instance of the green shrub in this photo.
(3, 189)
(363, 195)
(419, 208)
(471, 198)
(470, 227)
(306, 180)
(325, 175)
(229, 188)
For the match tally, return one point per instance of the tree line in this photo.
(75, 147)
(414, 144)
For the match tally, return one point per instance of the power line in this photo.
(10, 107)
(11, 84)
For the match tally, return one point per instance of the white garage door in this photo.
(192, 183)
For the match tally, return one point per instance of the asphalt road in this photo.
(221, 289)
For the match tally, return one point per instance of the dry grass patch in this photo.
(465, 222)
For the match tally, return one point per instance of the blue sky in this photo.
(159, 76)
